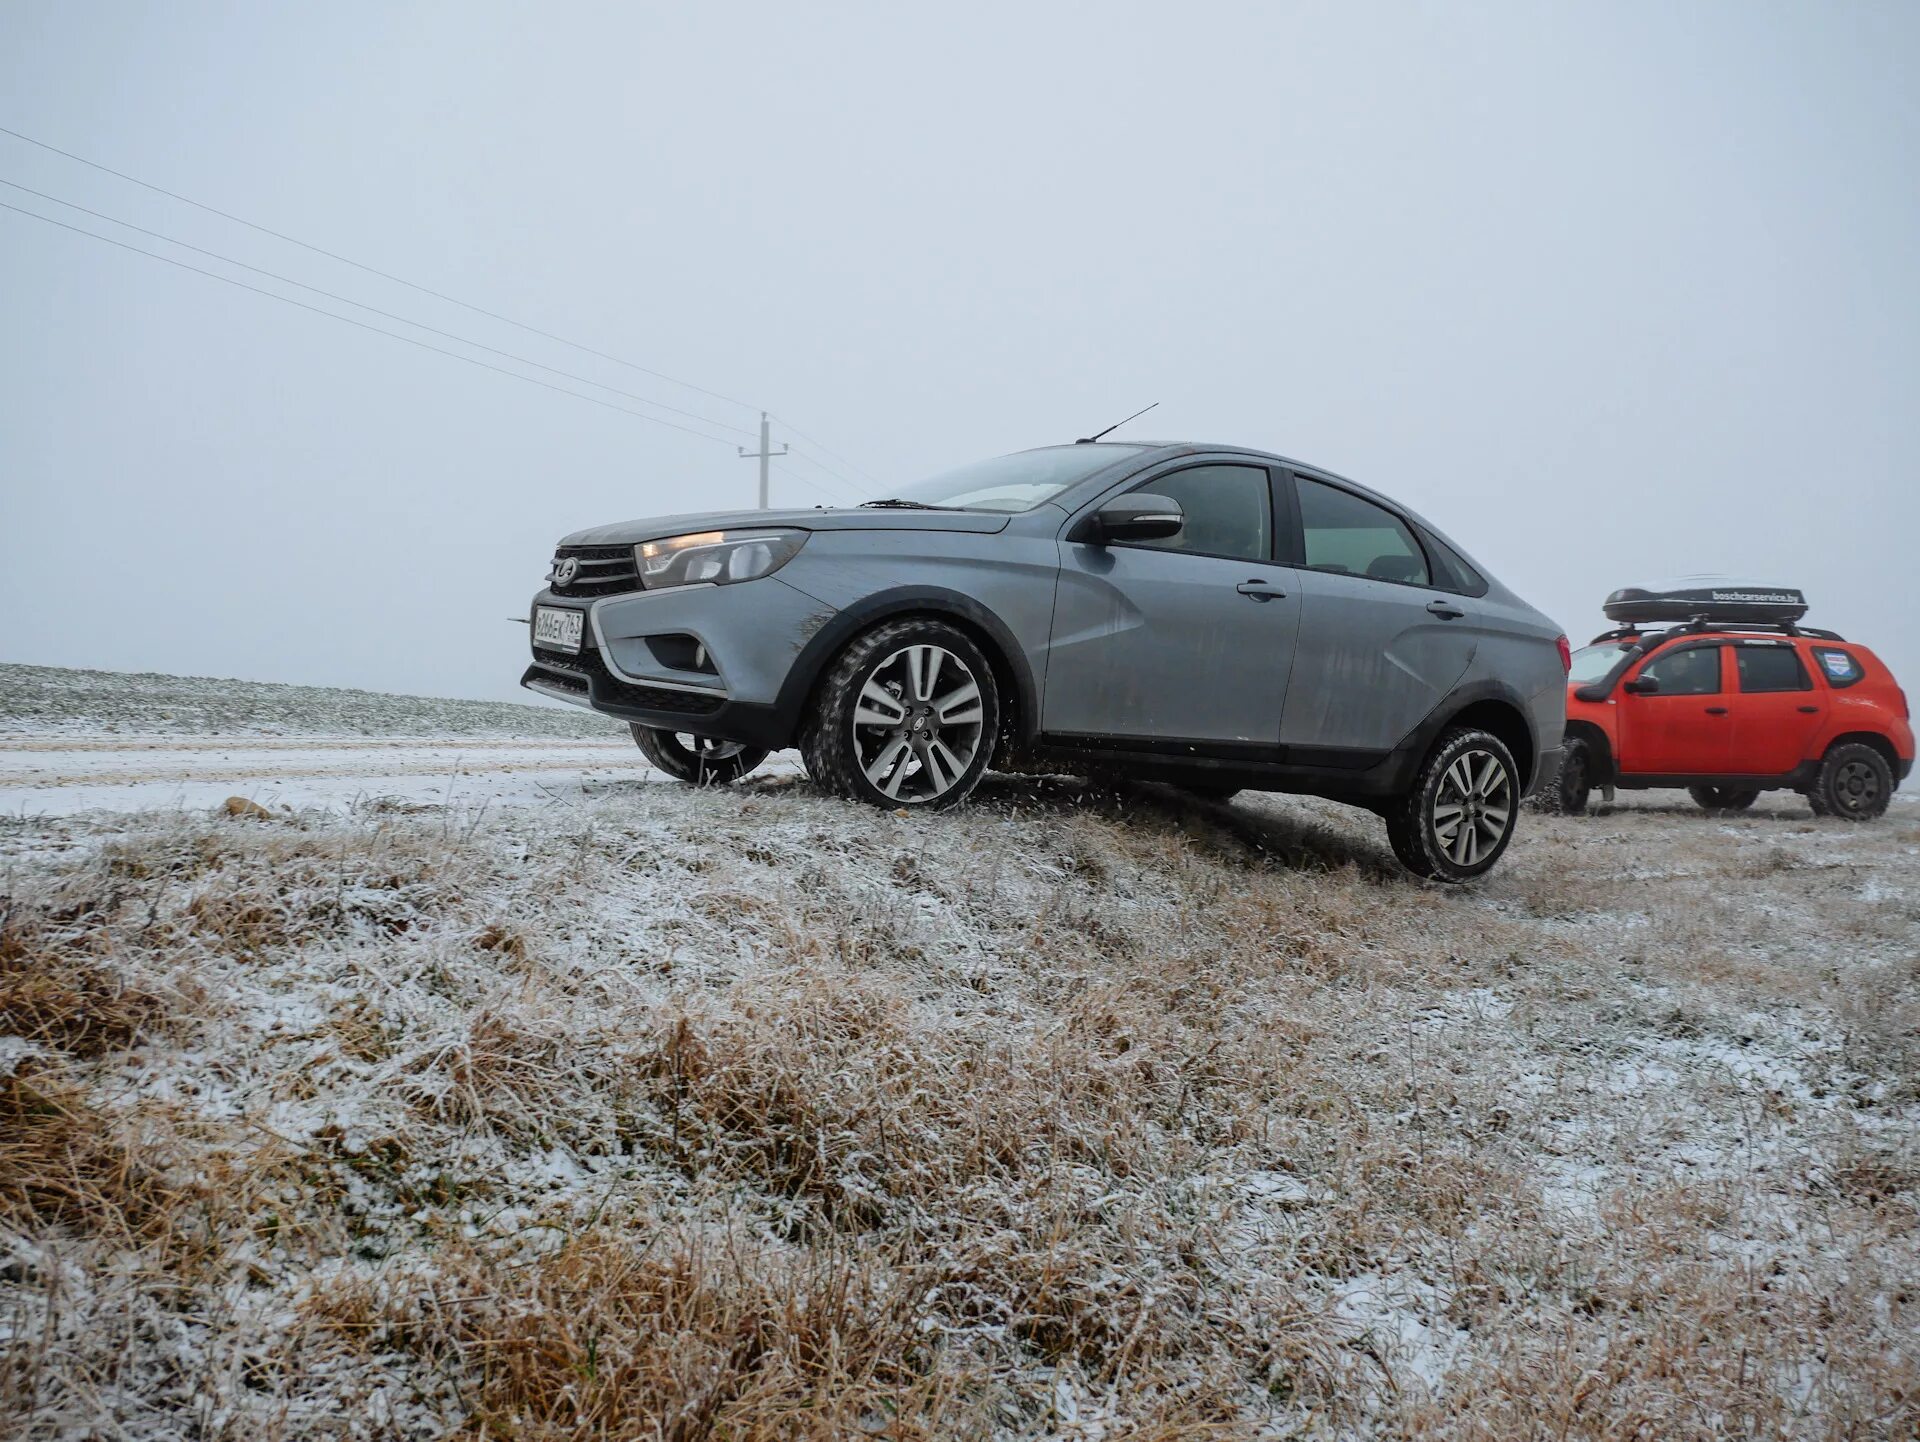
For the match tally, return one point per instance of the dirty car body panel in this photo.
(1249, 668)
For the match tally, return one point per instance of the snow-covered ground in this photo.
(79, 741)
(640, 1112)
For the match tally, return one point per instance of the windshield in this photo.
(1591, 663)
(1018, 482)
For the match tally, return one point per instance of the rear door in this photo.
(1380, 644)
(1776, 708)
(1189, 639)
(1686, 727)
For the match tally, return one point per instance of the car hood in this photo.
(626, 533)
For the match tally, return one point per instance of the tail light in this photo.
(1566, 655)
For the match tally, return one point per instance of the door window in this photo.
(1450, 569)
(1692, 672)
(1771, 668)
(1353, 537)
(1229, 511)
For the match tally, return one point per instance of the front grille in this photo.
(587, 672)
(603, 571)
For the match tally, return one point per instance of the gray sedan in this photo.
(1208, 616)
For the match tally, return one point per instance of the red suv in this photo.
(1732, 708)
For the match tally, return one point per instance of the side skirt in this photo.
(1798, 779)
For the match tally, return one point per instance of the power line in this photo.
(363, 325)
(817, 486)
(802, 435)
(372, 309)
(822, 487)
(800, 454)
(372, 270)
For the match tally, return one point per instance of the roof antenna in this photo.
(1089, 440)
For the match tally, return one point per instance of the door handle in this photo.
(1260, 590)
(1445, 610)
(1809, 710)
(1716, 710)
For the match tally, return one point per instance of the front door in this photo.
(1683, 729)
(1189, 639)
(1775, 711)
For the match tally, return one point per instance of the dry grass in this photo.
(746, 1115)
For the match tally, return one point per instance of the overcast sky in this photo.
(1607, 291)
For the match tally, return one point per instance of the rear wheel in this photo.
(1567, 793)
(1855, 783)
(1459, 816)
(696, 760)
(1723, 798)
(905, 718)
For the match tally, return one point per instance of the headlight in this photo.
(716, 557)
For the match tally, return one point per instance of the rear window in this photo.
(1842, 668)
(1772, 668)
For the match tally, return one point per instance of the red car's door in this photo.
(1683, 728)
(1776, 709)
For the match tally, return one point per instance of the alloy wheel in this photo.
(918, 724)
(707, 748)
(1472, 807)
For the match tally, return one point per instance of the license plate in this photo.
(556, 628)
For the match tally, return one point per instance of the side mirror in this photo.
(1642, 686)
(1135, 516)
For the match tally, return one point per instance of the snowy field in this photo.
(566, 1102)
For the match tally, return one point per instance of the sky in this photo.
(1607, 291)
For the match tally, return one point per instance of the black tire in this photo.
(1415, 830)
(696, 760)
(1723, 798)
(1567, 792)
(1854, 783)
(844, 753)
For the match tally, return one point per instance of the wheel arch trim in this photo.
(1004, 651)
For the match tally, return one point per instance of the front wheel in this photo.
(907, 717)
(696, 760)
(1855, 783)
(1566, 794)
(1460, 813)
(1723, 798)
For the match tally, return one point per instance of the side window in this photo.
(1450, 569)
(1843, 668)
(1229, 511)
(1354, 537)
(1771, 668)
(1692, 672)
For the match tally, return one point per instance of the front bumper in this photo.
(751, 635)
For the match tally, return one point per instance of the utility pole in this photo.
(765, 454)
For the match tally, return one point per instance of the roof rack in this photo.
(1700, 625)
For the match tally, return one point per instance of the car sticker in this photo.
(1838, 663)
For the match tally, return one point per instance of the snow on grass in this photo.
(749, 1113)
(56, 700)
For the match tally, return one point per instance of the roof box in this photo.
(1711, 598)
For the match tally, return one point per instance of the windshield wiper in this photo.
(896, 504)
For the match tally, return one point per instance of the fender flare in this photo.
(869, 611)
(1471, 694)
